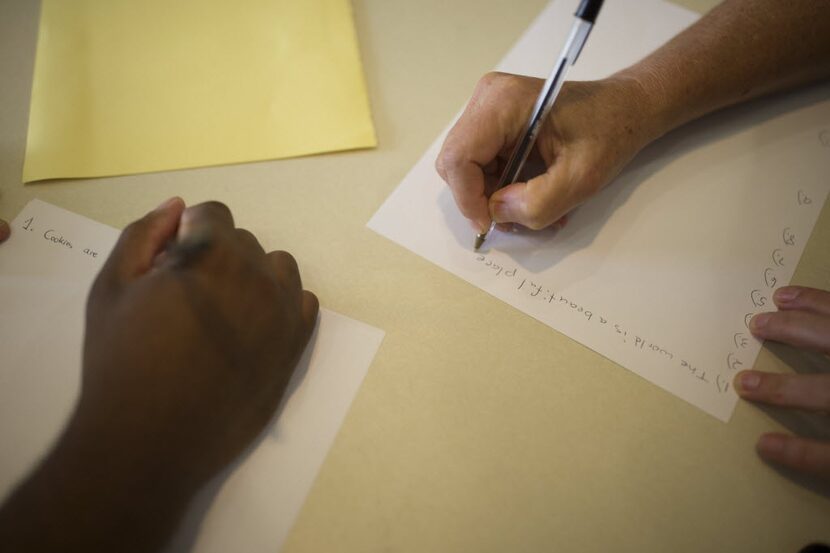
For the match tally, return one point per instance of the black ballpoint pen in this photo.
(585, 14)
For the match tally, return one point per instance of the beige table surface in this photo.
(477, 428)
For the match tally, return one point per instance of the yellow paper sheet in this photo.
(132, 86)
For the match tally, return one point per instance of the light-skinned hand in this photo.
(803, 321)
(592, 132)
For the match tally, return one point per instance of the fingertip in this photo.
(5, 231)
(746, 382)
(171, 203)
(311, 308)
(479, 225)
(758, 324)
(142, 240)
(770, 446)
(786, 295)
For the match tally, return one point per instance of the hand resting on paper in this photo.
(740, 50)
(802, 320)
(192, 334)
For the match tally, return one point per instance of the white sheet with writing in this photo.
(46, 269)
(660, 271)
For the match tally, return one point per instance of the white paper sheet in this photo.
(43, 284)
(661, 270)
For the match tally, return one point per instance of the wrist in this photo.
(94, 493)
(648, 100)
(121, 460)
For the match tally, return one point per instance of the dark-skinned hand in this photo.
(192, 335)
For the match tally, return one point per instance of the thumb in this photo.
(140, 242)
(539, 202)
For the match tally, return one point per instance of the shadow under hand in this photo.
(800, 360)
(806, 481)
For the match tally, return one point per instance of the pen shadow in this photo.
(536, 251)
(184, 539)
(813, 426)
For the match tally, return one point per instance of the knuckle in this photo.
(536, 216)
(491, 78)
(496, 84)
(811, 298)
(211, 209)
(245, 233)
(284, 260)
(215, 206)
(439, 166)
(313, 302)
(246, 236)
(133, 229)
(590, 183)
(449, 158)
(778, 324)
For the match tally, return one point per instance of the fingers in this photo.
(489, 126)
(798, 328)
(288, 274)
(248, 240)
(800, 297)
(286, 270)
(140, 242)
(799, 454)
(311, 306)
(5, 231)
(466, 181)
(205, 219)
(806, 391)
(544, 200)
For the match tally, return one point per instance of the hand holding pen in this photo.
(592, 131)
(585, 16)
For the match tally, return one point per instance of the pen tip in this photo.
(480, 240)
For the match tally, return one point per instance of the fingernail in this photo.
(479, 227)
(771, 444)
(785, 295)
(759, 321)
(167, 204)
(748, 381)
